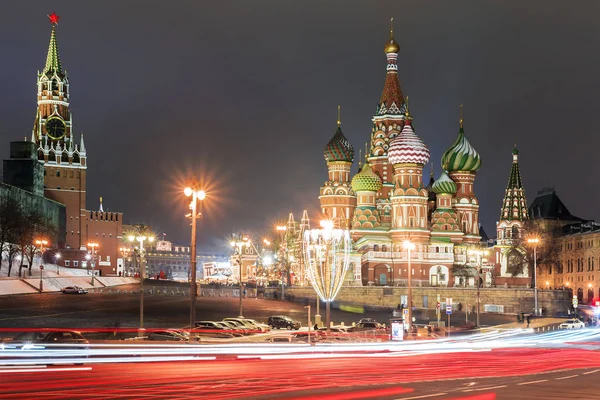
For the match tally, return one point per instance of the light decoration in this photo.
(327, 253)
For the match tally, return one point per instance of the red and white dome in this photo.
(407, 148)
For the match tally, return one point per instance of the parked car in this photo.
(251, 324)
(74, 290)
(336, 333)
(572, 324)
(366, 326)
(172, 335)
(38, 339)
(216, 329)
(282, 321)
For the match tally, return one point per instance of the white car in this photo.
(572, 324)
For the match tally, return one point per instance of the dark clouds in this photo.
(246, 94)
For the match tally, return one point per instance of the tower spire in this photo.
(514, 206)
(53, 65)
(460, 121)
(391, 97)
(339, 116)
(101, 208)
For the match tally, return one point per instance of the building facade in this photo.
(387, 202)
(64, 161)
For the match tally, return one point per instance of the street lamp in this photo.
(238, 245)
(93, 245)
(141, 239)
(57, 257)
(327, 252)
(534, 242)
(478, 253)
(409, 246)
(41, 243)
(196, 195)
(125, 253)
(283, 229)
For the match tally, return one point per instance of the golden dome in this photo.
(391, 46)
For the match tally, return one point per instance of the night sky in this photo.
(244, 94)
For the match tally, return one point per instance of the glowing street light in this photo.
(479, 254)
(57, 257)
(141, 239)
(534, 242)
(41, 243)
(238, 245)
(409, 246)
(196, 195)
(93, 245)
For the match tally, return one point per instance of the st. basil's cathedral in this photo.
(387, 202)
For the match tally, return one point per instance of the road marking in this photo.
(532, 382)
(46, 370)
(422, 397)
(485, 388)
(591, 372)
(566, 377)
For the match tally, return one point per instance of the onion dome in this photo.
(339, 148)
(391, 46)
(444, 185)
(366, 180)
(407, 147)
(461, 156)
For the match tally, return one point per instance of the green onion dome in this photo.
(366, 180)
(461, 156)
(444, 185)
(339, 148)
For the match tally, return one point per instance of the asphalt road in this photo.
(504, 374)
(101, 310)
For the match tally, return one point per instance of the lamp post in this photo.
(534, 242)
(238, 245)
(125, 253)
(141, 239)
(93, 245)
(409, 246)
(57, 257)
(283, 229)
(479, 254)
(327, 252)
(41, 243)
(196, 195)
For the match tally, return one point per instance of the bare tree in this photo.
(10, 213)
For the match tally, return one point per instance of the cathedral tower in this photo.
(337, 198)
(514, 206)
(408, 154)
(65, 162)
(387, 122)
(462, 162)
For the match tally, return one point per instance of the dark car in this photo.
(169, 336)
(281, 321)
(74, 290)
(66, 340)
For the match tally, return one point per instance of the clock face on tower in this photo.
(56, 128)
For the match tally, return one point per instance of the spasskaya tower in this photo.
(65, 162)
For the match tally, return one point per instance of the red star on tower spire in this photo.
(54, 18)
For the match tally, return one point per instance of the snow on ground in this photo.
(54, 278)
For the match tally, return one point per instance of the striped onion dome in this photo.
(444, 185)
(339, 148)
(366, 180)
(407, 147)
(461, 156)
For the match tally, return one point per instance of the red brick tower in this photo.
(65, 162)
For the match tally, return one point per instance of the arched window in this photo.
(57, 172)
(515, 232)
(375, 247)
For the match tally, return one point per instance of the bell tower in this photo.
(65, 162)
